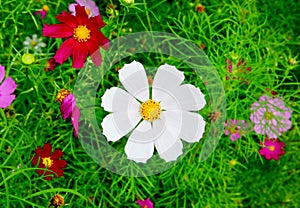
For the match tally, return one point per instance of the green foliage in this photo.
(265, 34)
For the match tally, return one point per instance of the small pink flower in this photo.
(147, 203)
(90, 7)
(272, 149)
(235, 129)
(50, 65)
(237, 70)
(68, 108)
(270, 116)
(42, 12)
(7, 87)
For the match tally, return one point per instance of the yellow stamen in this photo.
(271, 148)
(61, 95)
(268, 115)
(150, 110)
(33, 43)
(47, 162)
(88, 12)
(81, 33)
(45, 8)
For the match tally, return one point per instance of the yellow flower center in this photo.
(268, 115)
(81, 33)
(271, 148)
(233, 130)
(88, 12)
(47, 162)
(145, 206)
(61, 95)
(150, 110)
(45, 8)
(33, 43)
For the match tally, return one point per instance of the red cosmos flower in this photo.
(49, 161)
(83, 36)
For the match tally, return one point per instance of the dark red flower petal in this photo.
(101, 39)
(81, 15)
(40, 172)
(56, 154)
(64, 51)
(59, 164)
(80, 53)
(68, 19)
(35, 160)
(47, 150)
(59, 172)
(96, 22)
(57, 31)
(39, 151)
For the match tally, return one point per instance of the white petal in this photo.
(167, 101)
(173, 152)
(171, 134)
(139, 152)
(146, 133)
(118, 124)
(193, 127)
(166, 78)
(190, 97)
(134, 79)
(116, 99)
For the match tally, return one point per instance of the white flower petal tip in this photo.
(167, 77)
(139, 152)
(134, 79)
(109, 129)
(190, 97)
(172, 153)
(116, 99)
(116, 125)
(193, 127)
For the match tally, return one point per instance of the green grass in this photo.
(264, 33)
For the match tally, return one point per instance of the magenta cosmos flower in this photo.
(68, 108)
(42, 12)
(270, 116)
(7, 87)
(83, 37)
(235, 129)
(90, 7)
(272, 149)
(147, 203)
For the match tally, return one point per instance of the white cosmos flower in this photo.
(159, 120)
(34, 43)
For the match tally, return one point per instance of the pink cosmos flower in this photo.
(147, 203)
(42, 12)
(7, 87)
(270, 116)
(237, 70)
(235, 129)
(90, 7)
(68, 108)
(272, 149)
(82, 35)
